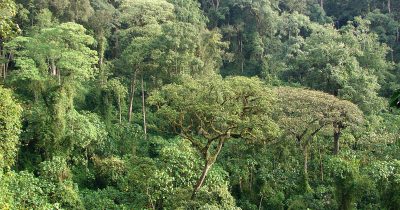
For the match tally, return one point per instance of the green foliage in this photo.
(55, 170)
(165, 41)
(145, 12)
(346, 176)
(386, 175)
(10, 126)
(167, 179)
(24, 191)
(85, 132)
(309, 110)
(68, 10)
(123, 139)
(58, 53)
(350, 69)
(248, 104)
(234, 106)
(8, 28)
(67, 194)
(110, 170)
(108, 198)
(45, 19)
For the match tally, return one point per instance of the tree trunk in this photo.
(321, 166)
(101, 58)
(53, 68)
(200, 182)
(215, 3)
(392, 53)
(389, 6)
(321, 3)
(261, 200)
(240, 185)
(242, 65)
(209, 161)
(116, 48)
(144, 111)
(336, 135)
(101, 50)
(119, 107)
(241, 51)
(2, 66)
(6, 64)
(59, 76)
(133, 86)
(150, 199)
(306, 184)
(305, 166)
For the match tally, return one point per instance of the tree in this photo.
(8, 29)
(250, 30)
(102, 22)
(119, 91)
(194, 136)
(385, 173)
(24, 190)
(60, 53)
(346, 115)
(10, 126)
(210, 111)
(349, 70)
(69, 10)
(8, 10)
(138, 55)
(52, 65)
(166, 41)
(306, 113)
(143, 19)
(347, 178)
(386, 27)
(345, 11)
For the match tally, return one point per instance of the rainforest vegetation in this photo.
(200, 104)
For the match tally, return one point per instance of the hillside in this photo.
(208, 104)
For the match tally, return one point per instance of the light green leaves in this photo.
(62, 50)
(347, 63)
(10, 125)
(8, 28)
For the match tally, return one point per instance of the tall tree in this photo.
(51, 66)
(211, 111)
(60, 54)
(345, 70)
(143, 19)
(306, 113)
(102, 22)
(165, 41)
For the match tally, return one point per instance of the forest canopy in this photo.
(199, 104)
